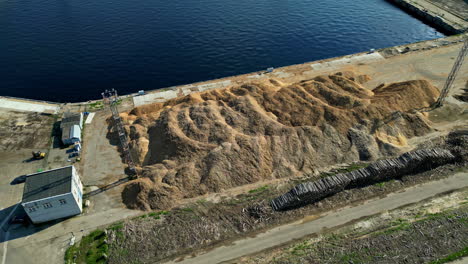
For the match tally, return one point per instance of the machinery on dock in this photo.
(38, 155)
(443, 93)
(111, 99)
(450, 79)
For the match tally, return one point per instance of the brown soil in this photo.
(20, 130)
(219, 139)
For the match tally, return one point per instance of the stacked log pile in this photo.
(458, 143)
(408, 163)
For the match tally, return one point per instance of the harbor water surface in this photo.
(71, 50)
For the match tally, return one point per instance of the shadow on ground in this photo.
(106, 187)
(57, 136)
(11, 231)
(19, 179)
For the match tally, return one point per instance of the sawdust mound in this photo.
(210, 141)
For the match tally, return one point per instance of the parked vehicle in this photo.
(38, 155)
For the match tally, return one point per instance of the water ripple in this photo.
(70, 50)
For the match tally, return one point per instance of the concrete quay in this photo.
(308, 70)
(288, 74)
(25, 105)
(447, 15)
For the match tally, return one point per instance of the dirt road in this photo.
(287, 233)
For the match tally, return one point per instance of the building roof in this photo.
(70, 119)
(48, 183)
(75, 132)
(66, 132)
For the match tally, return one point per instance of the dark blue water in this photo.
(71, 50)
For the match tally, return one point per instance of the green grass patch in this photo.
(400, 227)
(365, 255)
(301, 248)
(232, 202)
(395, 226)
(335, 237)
(91, 249)
(380, 184)
(83, 132)
(403, 224)
(437, 216)
(454, 256)
(96, 105)
(419, 215)
(251, 195)
(259, 190)
(55, 132)
(202, 201)
(157, 215)
(120, 234)
(123, 252)
(354, 257)
(116, 226)
(461, 169)
(351, 167)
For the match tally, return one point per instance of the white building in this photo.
(52, 194)
(71, 126)
(75, 134)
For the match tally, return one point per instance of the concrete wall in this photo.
(428, 17)
(81, 120)
(77, 189)
(52, 208)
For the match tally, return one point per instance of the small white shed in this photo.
(71, 126)
(75, 134)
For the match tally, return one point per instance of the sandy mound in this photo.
(219, 139)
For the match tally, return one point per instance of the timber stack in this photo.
(382, 170)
